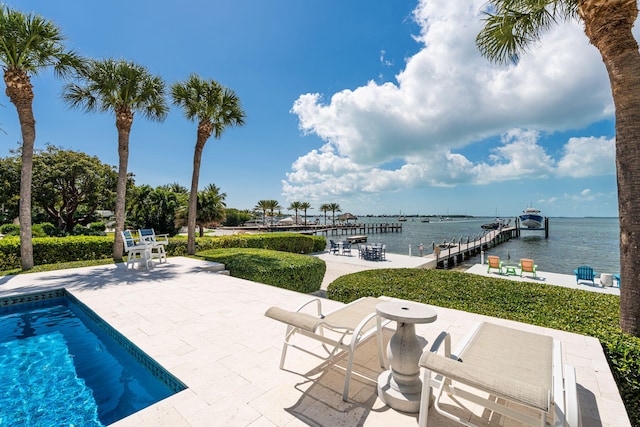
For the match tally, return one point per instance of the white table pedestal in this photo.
(400, 386)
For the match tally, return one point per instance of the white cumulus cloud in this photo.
(447, 98)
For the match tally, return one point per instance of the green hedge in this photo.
(299, 273)
(571, 310)
(50, 250)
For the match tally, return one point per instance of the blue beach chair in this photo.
(584, 272)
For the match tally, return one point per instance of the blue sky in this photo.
(381, 106)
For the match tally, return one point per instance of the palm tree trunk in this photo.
(608, 26)
(28, 125)
(193, 196)
(20, 92)
(124, 120)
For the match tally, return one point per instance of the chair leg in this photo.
(347, 378)
(290, 331)
(425, 399)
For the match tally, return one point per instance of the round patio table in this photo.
(400, 386)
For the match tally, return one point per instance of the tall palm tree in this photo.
(295, 206)
(324, 208)
(334, 207)
(214, 107)
(28, 45)
(512, 25)
(124, 88)
(263, 205)
(305, 206)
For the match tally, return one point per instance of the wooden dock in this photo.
(448, 254)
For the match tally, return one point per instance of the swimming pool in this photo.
(60, 364)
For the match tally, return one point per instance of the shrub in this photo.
(10, 229)
(98, 226)
(299, 273)
(49, 230)
(571, 310)
(54, 250)
(51, 250)
(81, 230)
(285, 242)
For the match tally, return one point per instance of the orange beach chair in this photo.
(527, 266)
(494, 262)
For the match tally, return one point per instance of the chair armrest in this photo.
(304, 321)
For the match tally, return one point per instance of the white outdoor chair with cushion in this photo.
(496, 366)
(137, 251)
(156, 241)
(345, 329)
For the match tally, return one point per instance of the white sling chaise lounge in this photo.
(497, 365)
(343, 329)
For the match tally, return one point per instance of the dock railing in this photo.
(448, 253)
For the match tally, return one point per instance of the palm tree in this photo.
(263, 205)
(214, 107)
(28, 45)
(124, 88)
(211, 206)
(295, 206)
(324, 208)
(512, 25)
(305, 206)
(272, 206)
(334, 207)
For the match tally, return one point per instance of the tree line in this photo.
(72, 190)
(269, 208)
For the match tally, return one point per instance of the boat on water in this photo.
(531, 218)
(424, 219)
(402, 218)
(498, 223)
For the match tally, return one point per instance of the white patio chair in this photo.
(156, 241)
(345, 329)
(137, 251)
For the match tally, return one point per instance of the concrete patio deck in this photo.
(210, 331)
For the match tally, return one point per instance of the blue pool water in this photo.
(59, 367)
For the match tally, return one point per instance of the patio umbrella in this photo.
(347, 216)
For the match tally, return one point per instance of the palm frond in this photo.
(511, 26)
(32, 43)
(110, 85)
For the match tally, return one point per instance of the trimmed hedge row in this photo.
(49, 250)
(571, 310)
(296, 272)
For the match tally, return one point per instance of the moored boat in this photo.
(531, 218)
(499, 222)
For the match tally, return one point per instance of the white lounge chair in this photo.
(156, 241)
(343, 329)
(137, 250)
(515, 373)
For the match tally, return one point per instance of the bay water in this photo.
(572, 242)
